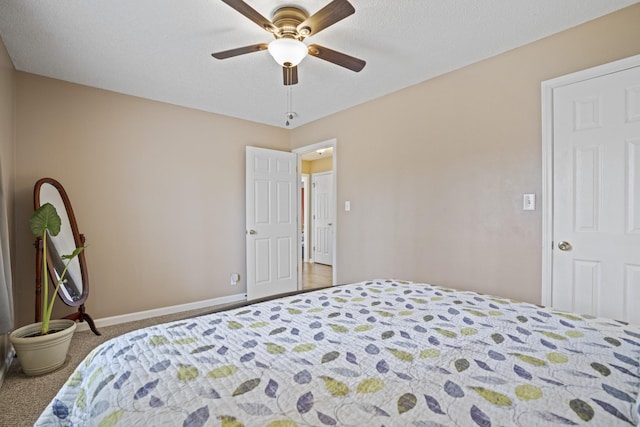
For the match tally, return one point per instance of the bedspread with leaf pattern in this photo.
(382, 353)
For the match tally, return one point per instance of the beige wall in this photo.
(436, 173)
(7, 153)
(157, 189)
(315, 166)
(321, 165)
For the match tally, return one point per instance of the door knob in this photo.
(253, 232)
(564, 246)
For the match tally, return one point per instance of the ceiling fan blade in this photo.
(290, 75)
(249, 12)
(240, 51)
(335, 11)
(338, 58)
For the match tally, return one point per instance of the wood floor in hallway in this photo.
(316, 275)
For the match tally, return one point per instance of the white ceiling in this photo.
(161, 49)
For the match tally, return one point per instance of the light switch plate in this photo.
(347, 206)
(529, 202)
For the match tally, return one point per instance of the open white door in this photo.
(271, 212)
(322, 206)
(596, 196)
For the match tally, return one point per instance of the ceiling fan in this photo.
(290, 26)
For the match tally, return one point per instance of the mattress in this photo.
(378, 353)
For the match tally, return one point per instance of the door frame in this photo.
(305, 182)
(330, 143)
(548, 88)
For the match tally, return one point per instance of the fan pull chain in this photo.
(289, 110)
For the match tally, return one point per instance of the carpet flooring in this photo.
(23, 398)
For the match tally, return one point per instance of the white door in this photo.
(596, 196)
(322, 206)
(271, 211)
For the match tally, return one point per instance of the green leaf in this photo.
(528, 392)
(73, 254)
(282, 423)
(339, 328)
(157, 340)
(183, 341)
(234, 325)
(602, 370)
(187, 373)
(81, 400)
(468, 331)
(475, 312)
(301, 348)
(258, 325)
(567, 316)
(461, 365)
(613, 341)
(554, 357)
(223, 371)
(552, 335)
(582, 409)
(446, 333)
(111, 419)
(402, 355)
(328, 357)
(387, 334)
(530, 359)
(75, 379)
(370, 385)
(275, 348)
(45, 218)
(493, 396)
(229, 421)
(335, 387)
(428, 353)
(203, 349)
(246, 386)
(406, 402)
(384, 313)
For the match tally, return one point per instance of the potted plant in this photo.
(42, 347)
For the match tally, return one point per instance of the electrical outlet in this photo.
(235, 278)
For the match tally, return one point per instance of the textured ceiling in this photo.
(161, 49)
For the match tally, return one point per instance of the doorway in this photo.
(591, 208)
(316, 270)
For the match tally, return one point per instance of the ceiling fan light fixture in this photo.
(288, 52)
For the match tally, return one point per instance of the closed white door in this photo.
(322, 206)
(271, 217)
(596, 196)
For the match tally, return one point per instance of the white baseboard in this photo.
(140, 315)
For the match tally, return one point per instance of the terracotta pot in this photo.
(42, 353)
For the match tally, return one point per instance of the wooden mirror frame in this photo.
(79, 240)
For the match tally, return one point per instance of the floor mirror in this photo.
(74, 291)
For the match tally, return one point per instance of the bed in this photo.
(378, 353)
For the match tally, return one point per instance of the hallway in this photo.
(316, 275)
